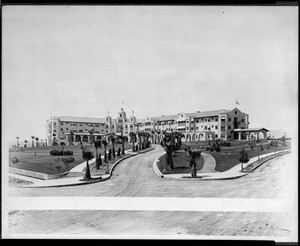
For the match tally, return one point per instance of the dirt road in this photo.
(135, 178)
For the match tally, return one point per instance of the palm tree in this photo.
(87, 155)
(32, 141)
(25, 145)
(37, 143)
(91, 136)
(113, 138)
(71, 136)
(97, 144)
(192, 160)
(105, 143)
(133, 138)
(17, 141)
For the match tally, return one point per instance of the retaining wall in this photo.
(36, 175)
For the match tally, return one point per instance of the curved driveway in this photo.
(136, 177)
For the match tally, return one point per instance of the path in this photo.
(209, 163)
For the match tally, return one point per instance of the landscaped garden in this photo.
(226, 156)
(181, 163)
(38, 159)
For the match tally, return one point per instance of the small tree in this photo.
(71, 137)
(193, 155)
(17, 141)
(97, 144)
(109, 154)
(91, 136)
(87, 155)
(98, 162)
(105, 143)
(243, 157)
(32, 141)
(62, 144)
(133, 140)
(37, 141)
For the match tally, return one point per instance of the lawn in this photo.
(228, 157)
(43, 162)
(180, 161)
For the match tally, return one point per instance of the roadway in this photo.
(135, 178)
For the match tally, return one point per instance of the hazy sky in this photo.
(84, 61)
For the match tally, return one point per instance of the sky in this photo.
(158, 60)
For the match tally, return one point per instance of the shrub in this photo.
(56, 152)
(67, 160)
(15, 160)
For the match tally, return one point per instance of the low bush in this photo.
(56, 152)
(15, 160)
(67, 160)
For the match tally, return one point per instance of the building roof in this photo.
(208, 113)
(82, 119)
(251, 129)
(195, 114)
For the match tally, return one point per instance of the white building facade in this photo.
(198, 126)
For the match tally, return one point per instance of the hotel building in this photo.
(216, 124)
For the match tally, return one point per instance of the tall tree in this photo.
(167, 144)
(91, 136)
(113, 139)
(97, 144)
(105, 143)
(71, 137)
(133, 139)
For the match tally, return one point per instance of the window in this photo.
(229, 119)
(216, 127)
(205, 127)
(61, 123)
(61, 129)
(212, 126)
(229, 127)
(67, 129)
(235, 112)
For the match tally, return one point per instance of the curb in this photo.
(87, 182)
(156, 169)
(269, 158)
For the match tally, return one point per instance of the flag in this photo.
(236, 102)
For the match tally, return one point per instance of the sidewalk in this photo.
(74, 175)
(233, 173)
